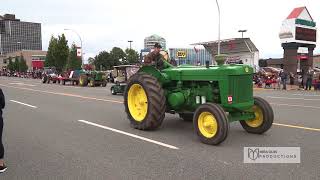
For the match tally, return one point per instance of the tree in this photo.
(10, 64)
(132, 56)
(117, 56)
(61, 53)
(51, 54)
(16, 64)
(102, 60)
(91, 60)
(23, 67)
(58, 52)
(74, 62)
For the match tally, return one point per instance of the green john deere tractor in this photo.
(93, 78)
(210, 96)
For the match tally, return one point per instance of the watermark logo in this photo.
(271, 154)
(253, 154)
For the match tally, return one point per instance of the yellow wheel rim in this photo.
(137, 102)
(207, 124)
(81, 81)
(259, 117)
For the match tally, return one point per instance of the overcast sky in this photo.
(104, 24)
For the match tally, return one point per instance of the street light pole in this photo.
(80, 42)
(130, 43)
(218, 27)
(242, 31)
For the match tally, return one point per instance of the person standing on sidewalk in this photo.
(3, 168)
(284, 76)
(309, 79)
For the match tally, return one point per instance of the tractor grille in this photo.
(240, 87)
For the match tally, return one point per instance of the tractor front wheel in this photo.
(104, 83)
(263, 120)
(211, 123)
(92, 83)
(83, 80)
(145, 102)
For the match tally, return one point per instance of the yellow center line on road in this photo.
(296, 127)
(64, 94)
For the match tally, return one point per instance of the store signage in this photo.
(181, 54)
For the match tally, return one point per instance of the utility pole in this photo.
(219, 22)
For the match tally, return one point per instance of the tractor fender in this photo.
(162, 78)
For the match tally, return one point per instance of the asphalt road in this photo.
(65, 132)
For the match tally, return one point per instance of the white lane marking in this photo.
(23, 84)
(294, 105)
(129, 134)
(24, 104)
(297, 127)
(274, 97)
(308, 95)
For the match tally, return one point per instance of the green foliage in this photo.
(23, 67)
(58, 53)
(62, 53)
(74, 62)
(106, 60)
(10, 64)
(102, 61)
(16, 63)
(51, 58)
(132, 56)
(117, 56)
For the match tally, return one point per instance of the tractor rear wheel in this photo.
(186, 116)
(264, 117)
(211, 123)
(145, 102)
(83, 80)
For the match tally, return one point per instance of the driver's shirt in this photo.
(152, 57)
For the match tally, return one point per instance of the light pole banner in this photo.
(79, 52)
(271, 155)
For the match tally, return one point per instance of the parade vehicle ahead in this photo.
(120, 76)
(210, 96)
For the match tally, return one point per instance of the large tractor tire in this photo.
(264, 117)
(44, 79)
(211, 123)
(186, 116)
(92, 83)
(145, 102)
(83, 80)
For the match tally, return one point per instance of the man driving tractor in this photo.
(155, 58)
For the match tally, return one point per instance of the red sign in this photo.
(230, 99)
(37, 64)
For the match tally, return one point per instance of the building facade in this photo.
(239, 50)
(151, 40)
(189, 56)
(34, 58)
(16, 35)
(279, 63)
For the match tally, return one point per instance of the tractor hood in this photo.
(206, 74)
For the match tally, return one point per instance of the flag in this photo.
(79, 52)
